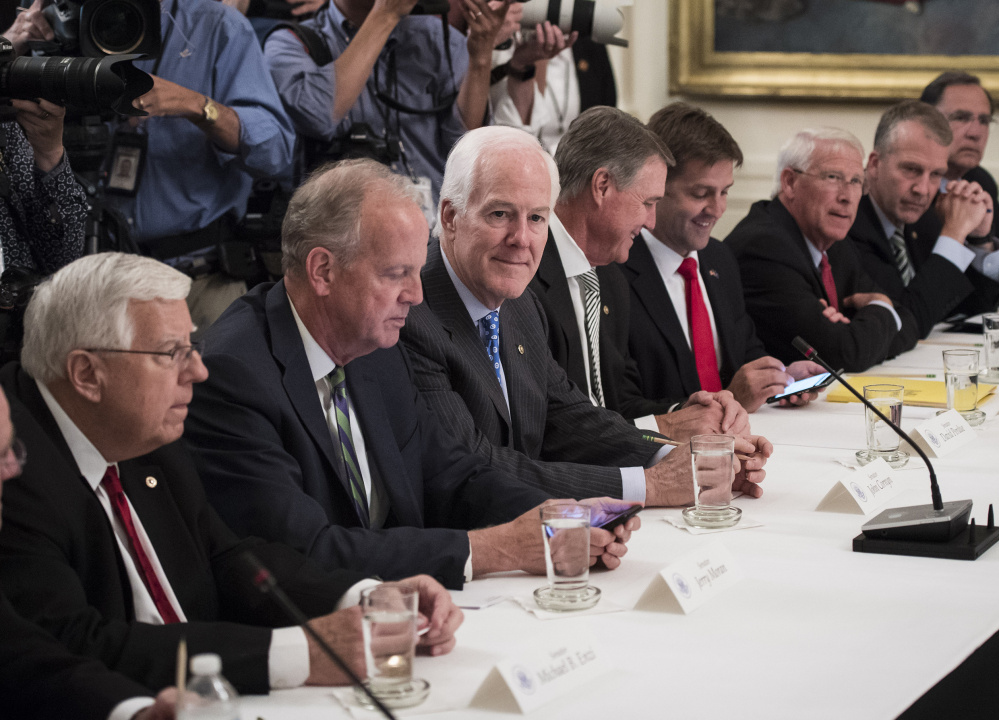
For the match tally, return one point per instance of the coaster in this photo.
(566, 601)
(972, 417)
(406, 695)
(711, 518)
(896, 460)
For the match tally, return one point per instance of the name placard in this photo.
(863, 490)
(545, 672)
(692, 580)
(943, 434)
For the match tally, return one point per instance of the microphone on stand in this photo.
(262, 579)
(939, 522)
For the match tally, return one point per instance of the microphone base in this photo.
(920, 523)
(957, 548)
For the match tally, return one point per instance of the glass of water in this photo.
(961, 374)
(990, 331)
(565, 528)
(713, 462)
(388, 621)
(882, 441)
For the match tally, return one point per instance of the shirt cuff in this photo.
(957, 253)
(288, 658)
(126, 709)
(889, 308)
(469, 576)
(353, 595)
(647, 422)
(987, 263)
(633, 484)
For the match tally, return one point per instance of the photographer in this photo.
(42, 207)
(410, 79)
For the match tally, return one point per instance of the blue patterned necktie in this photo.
(338, 382)
(490, 336)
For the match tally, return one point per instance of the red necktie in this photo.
(828, 282)
(113, 488)
(701, 341)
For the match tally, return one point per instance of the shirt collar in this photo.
(476, 309)
(88, 458)
(320, 363)
(814, 252)
(574, 260)
(887, 225)
(666, 258)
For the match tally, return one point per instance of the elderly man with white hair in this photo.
(479, 342)
(108, 541)
(798, 278)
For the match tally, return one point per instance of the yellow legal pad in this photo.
(918, 393)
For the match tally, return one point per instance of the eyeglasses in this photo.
(12, 462)
(835, 179)
(963, 117)
(180, 354)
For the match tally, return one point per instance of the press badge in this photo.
(128, 153)
(426, 193)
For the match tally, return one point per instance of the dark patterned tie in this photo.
(338, 380)
(701, 340)
(591, 303)
(489, 326)
(902, 257)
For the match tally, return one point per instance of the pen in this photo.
(675, 443)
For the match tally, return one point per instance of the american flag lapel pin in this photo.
(713, 273)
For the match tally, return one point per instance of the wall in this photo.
(760, 126)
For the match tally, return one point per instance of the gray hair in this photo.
(85, 305)
(325, 210)
(797, 152)
(605, 137)
(928, 117)
(471, 158)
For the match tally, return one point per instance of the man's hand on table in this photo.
(438, 612)
(705, 413)
(750, 473)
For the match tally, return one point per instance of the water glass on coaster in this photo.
(990, 332)
(565, 527)
(712, 458)
(389, 614)
(882, 441)
(961, 375)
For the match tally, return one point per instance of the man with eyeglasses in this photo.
(109, 542)
(798, 278)
(928, 275)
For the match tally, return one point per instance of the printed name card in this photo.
(558, 666)
(863, 490)
(943, 434)
(692, 580)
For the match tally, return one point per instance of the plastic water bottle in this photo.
(209, 696)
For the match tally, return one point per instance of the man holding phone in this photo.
(689, 326)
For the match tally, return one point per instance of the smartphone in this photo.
(612, 520)
(816, 382)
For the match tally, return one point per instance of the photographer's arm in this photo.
(28, 25)
(485, 20)
(168, 99)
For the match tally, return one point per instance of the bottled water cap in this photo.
(206, 664)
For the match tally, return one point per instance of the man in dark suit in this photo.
(689, 326)
(39, 678)
(612, 171)
(929, 276)
(798, 278)
(390, 491)
(108, 541)
(478, 344)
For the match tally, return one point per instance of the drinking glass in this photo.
(565, 528)
(882, 441)
(990, 332)
(961, 375)
(712, 460)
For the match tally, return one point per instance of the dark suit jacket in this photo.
(665, 361)
(783, 289)
(41, 680)
(938, 286)
(618, 372)
(269, 465)
(594, 73)
(60, 565)
(922, 235)
(551, 436)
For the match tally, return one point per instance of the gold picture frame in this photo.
(696, 68)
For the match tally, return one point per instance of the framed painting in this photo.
(846, 49)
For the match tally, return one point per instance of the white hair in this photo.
(468, 157)
(85, 305)
(797, 151)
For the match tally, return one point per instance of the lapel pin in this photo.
(606, 310)
(520, 349)
(151, 482)
(713, 273)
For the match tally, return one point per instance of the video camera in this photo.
(97, 28)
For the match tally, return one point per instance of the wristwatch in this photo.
(210, 112)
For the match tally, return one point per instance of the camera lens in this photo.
(117, 27)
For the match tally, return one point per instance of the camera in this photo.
(98, 28)
(590, 19)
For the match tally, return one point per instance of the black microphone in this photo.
(938, 522)
(264, 582)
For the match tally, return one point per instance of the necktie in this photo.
(338, 380)
(902, 257)
(112, 486)
(591, 303)
(828, 282)
(701, 340)
(490, 336)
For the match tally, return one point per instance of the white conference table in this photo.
(814, 630)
